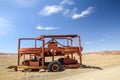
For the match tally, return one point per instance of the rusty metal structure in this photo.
(50, 47)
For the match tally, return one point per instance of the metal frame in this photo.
(42, 50)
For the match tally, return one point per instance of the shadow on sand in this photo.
(92, 67)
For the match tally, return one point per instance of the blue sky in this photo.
(96, 21)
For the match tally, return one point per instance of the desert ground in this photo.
(98, 66)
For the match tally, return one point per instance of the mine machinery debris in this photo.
(61, 55)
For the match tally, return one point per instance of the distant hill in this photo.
(105, 52)
(1, 53)
(100, 52)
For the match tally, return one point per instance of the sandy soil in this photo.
(112, 73)
(99, 67)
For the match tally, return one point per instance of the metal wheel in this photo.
(55, 66)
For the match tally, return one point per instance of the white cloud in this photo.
(52, 9)
(68, 2)
(5, 26)
(94, 42)
(46, 28)
(48, 10)
(83, 13)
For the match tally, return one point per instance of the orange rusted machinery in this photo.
(51, 47)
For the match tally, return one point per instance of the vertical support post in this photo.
(18, 52)
(80, 55)
(52, 50)
(52, 39)
(53, 55)
(30, 56)
(67, 42)
(43, 58)
(35, 44)
(71, 42)
(71, 46)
